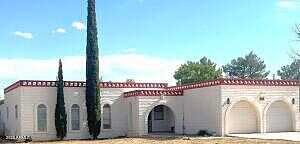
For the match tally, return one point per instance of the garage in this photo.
(242, 118)
(279, 118)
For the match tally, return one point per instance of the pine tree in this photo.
(92, 73)
(60, 112)
(249, 67)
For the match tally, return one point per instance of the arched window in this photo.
(16, 111)
(42, 118)
(106, 117)
(75, 117)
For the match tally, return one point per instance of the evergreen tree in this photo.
(297, 30)
(290, 72)
(92, 73)
(248, 67)
(60, 112)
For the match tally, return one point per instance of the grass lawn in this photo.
(172, 140)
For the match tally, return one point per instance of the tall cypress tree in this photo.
(60, 112)
(92, 73)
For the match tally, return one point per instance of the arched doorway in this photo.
(279, 117)
(242, 118)
(161, 120)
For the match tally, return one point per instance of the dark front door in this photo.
(150, 122)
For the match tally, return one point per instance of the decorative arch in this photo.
(252, 104)
(291, 108)
(75, 117)
(150, 108)
(41, 117)
(106, 116)
(104, 102)
(235, 101)
(285, 100)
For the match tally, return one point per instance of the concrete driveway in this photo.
(293, 136)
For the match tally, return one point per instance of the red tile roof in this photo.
(40, 83)
(153, 93)
(223, 81)
(208, 83)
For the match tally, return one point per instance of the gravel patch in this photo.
(174, 140)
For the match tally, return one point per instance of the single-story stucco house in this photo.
(222, 106)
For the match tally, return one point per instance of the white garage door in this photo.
(279, 117)
(242, 118)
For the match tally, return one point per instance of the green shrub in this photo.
(204, 133)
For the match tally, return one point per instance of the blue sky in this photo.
(142, 39)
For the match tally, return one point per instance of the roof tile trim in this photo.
(153, 93)
(39, 83)
(223, 81)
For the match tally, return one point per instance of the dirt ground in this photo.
(174, 140)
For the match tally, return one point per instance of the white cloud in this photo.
(139, 67)
(59, 30)
(26, 35)
(115, 67)
(78, 25)
(288, 4)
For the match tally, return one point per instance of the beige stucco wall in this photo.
(202, 110)
(12, 124)
(132, 116)
(31, 97)
(2, 122)
(28, 98)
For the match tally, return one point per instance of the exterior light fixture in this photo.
(228, 101)
(261, 98)
(293, 100)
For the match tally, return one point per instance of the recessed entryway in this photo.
(161, 120)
